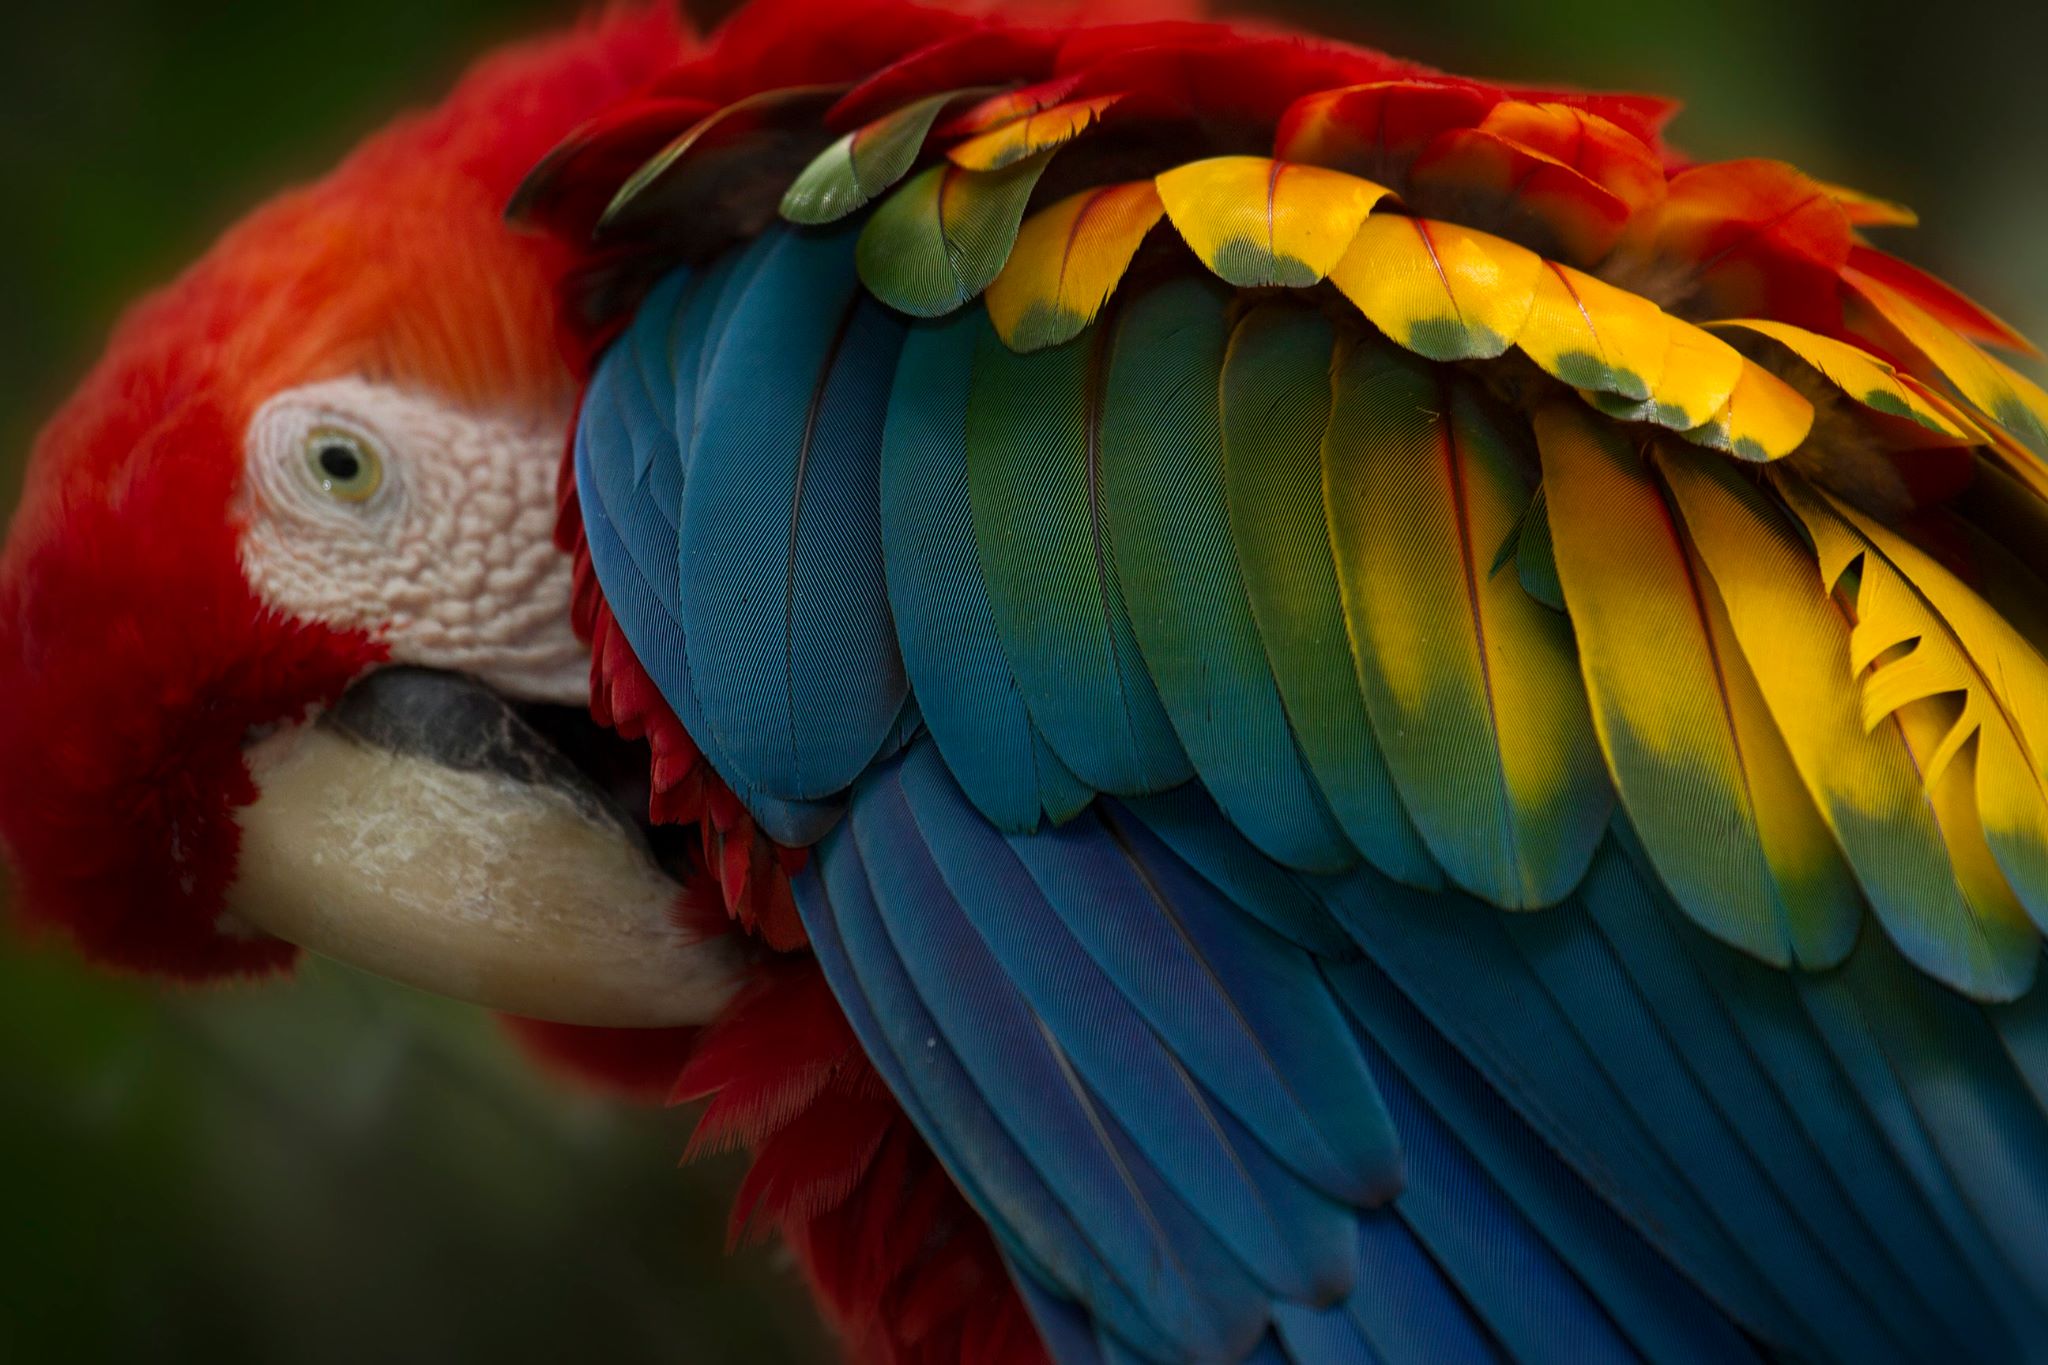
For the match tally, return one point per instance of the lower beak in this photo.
(421, 830)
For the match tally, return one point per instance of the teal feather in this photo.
(944, 625)
(1034, 481)
(1162, 483)
(1276, 406)
(782, 601)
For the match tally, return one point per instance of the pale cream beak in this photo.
(422, 831)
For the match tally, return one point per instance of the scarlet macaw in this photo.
(1325, 712)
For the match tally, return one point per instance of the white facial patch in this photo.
(392, 511)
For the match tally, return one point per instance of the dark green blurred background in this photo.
(335, 1169)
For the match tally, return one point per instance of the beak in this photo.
(422, 830)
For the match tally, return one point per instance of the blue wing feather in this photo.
(779, 505)
(1035, 1229)
(1514, 1282)
(1236, 1005)
(2023, 1029)
(943, 620)
(1652, 1076)
(1510, 1230)
(1160, 1080)
(1212, 1105)
(1025, 1075)
(1405, 1309)
(1989, 1133)
(1661, 1312)
(1742, 1094)
(1454, 959)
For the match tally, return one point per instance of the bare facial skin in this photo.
(455, 858)
(437, 532)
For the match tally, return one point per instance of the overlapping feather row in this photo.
(1801, 708)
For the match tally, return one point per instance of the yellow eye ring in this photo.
(343, 465)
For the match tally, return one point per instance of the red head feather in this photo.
(134, 659)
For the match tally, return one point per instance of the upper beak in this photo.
(420, 829)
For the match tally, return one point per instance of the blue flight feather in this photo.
(944, 625)
(1666, 1317)
(1188, 821)
(1156, 1079)
(1453, 958)
(1923, 1231)
(1500, 1265)
(1023, 1074)
(1404, 1310)
(1990, 1135)
(763, 447)
(835, 895)
(1645, 942)
(1242, 1009)
(2023, 1028)
(1607, 1010)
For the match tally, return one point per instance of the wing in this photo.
(1388, 778)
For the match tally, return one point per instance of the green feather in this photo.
(1276, 404)
(1471, 683)
(867, 161)
(1034, 452)
(1162, 476)
(1536, 558)
(938, 241)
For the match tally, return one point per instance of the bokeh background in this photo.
(334, 1169)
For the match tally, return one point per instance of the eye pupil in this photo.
(339, 462)
(342, 465)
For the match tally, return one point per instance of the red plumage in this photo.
(904, 1268)
(137, 617)
(126, 625)
(631, 1063)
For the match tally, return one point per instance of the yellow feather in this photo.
(1013, 141)
(1700, 373)
(1008, 105)
(1864, 377)
(1442, 291)
(1957, 795)
(1764, 418)
(1697, 759)
(1994, 388)
(1067, 261)
(1921, 633)
(1796, 639)
(1258, 222)
(1593, 336)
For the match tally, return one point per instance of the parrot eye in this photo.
(343, 465)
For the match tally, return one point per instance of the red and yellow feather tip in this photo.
(1466, 220)
(1569, 232)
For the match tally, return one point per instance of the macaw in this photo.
(1230, 699)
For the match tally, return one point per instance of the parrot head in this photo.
(282, 624)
